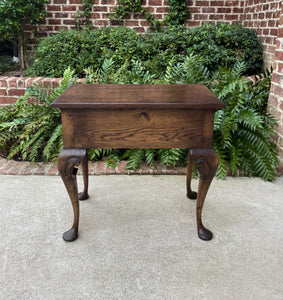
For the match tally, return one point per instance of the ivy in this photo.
(177, 12)
(82, 19)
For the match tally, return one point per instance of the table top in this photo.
(186, 96)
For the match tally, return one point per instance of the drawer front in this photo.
(137, 128)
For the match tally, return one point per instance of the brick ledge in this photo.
(12, 167)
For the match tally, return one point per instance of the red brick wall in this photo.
(11, 88)
(61, 14)
(276, 92)
(264, 16)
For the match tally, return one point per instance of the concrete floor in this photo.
(138, 240)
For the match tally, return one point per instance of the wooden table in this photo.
(137, 116)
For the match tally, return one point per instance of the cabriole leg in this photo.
(190, 168)
(68, 162)
(207, 162)
(84, 164)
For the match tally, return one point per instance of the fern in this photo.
(243, 130)
(34, 131)
(135, 158)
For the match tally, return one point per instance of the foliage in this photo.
(242, 131)
(15, 15)
(82, 19)
(177, 13)
(33, 131)
(6, 64)
(220, 44)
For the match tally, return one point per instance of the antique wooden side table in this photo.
(137, 116)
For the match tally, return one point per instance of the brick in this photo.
(279, 55)
(273, 100)
(41, 170)
(3, 162)
(16, 92)
(145, 169)
(7, 167)
(32, 80)
(208, 10)
(181, 171)
(101, 22)
(226, 10)
(100, 168)
(144, 23)
(162, 9)
(8, 100)
(54, 22)
(271, 23)
(237, 10)
(217, 3)
(29, 169)
(52, 170)
(3, 92)
(139, 29)
(18, 167)
(47, 82)
(171, 170)
(91, 167)
(110, 171)
(280, 32)
(69, 8)
(121, 167)
(277, 78)
(201, 3)
(12, 82)
(99, 9)
(159, 169)
(280, 67)
(60, 1)
(3, 81)
(56, 83)
(131, 23)
(75, 1)
(155, 2)
(108, 2)
(97, 16)
(53, 8)
(201, 17)
(61, 15)
(69, 22)
(231, 17)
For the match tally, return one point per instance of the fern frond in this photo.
(149, 155)
(135, 158)
(171, 157)
(55, 135)
(250, 118)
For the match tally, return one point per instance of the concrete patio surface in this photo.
(138, 240)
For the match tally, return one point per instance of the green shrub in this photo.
(218, 45)
(222, 44)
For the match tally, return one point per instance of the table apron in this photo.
(137, 128)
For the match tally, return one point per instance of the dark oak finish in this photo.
(137, 116)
